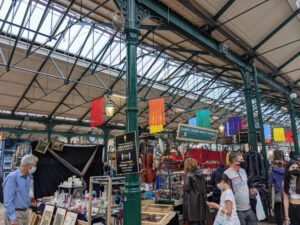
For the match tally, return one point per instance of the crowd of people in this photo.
(232, 194)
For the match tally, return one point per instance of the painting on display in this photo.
(32, 219)
(7, 163)
(47, 215)
(42, 147)
(70, 218)
(59, 216)
(57, 145)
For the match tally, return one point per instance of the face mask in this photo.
(32, 170)
(220, 186)
(295, 172)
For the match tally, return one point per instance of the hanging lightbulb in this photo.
(221, 128)
(109, 108)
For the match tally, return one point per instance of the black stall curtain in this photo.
(55, 167)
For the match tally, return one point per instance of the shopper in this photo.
(16, 188)
(239, 182)
(291, 188)
(194, 197)
(276, 179)
(216, 175)
(227, 214)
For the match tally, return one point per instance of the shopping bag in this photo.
(220, 219)
(260, 212)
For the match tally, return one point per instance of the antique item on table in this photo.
(57, 145)
(154, 218)
(7, 163)
(157, 208)
(38, 220)
(42, 147)
(70, 218)
(47, 215)
(80, 222)
(59, 216)
(32, 219)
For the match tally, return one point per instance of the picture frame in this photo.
(59, 216)
(32, 219)
(7, 163)
(38, 220)
(42, 147)
(47, 215)
(81, 222)
(57, 145)
(70, 218)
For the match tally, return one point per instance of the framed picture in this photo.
(57, 145)
(47, 215)
(38, 220)
(59, 216)
(70, 219)
(42, 147)
(7, 163)
(32, 218)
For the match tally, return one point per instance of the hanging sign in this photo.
(196, 134)
(126, 154)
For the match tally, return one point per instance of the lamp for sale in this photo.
(221, 128)
(109, 108)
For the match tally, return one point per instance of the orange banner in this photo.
(156, 115)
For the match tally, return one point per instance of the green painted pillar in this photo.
(105, 143)
(294, 127)
(132, 204)
(260, 119)
(49, 129)
(250, 116)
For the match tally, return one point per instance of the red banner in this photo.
(289, 137)
(96, 116)
(156, 115)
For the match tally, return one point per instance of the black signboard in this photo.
(126, 154)
(196, 134)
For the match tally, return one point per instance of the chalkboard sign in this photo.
(196, 134)
(126, 154)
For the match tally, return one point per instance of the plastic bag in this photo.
(260, 212)
(220, 219)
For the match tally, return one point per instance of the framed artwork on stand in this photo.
(47, 215)
(59, 216)
(7, 163)
(70, 219)
(32, 218)
(57, 145)
(42, 147)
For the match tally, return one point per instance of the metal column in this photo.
(260, 119)
(132, 204)
(250, 116)
(294, 127)
(105, 143)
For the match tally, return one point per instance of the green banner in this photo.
(196, 134)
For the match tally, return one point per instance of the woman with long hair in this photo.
(291, 196)
(227, 214)
(194, 196)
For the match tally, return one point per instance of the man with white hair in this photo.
(16, 188)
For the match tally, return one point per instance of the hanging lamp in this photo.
(109, 108)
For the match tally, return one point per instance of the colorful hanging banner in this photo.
(234, 124)
(96, 116)
(267, 132)
(278, 134)
(203, 118)
(156, 115)
(226, 129)
(193, 121)
(289, 137)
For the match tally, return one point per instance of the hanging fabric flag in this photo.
(96, 116)
(226, 129)
(267, 132)
(278, 134)
(289, 137)
(203, 118)
(235, 123)
(193, 121)
(156, 115)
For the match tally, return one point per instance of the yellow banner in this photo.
(279, 134)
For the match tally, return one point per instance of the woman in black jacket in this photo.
(194, 198)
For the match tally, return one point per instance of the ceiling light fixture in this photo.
(109, 108)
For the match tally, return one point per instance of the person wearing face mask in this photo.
(227, 214)
(239, 182)
(16, 188)
(291, 196)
